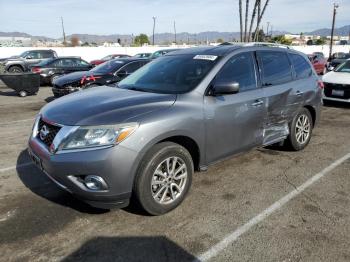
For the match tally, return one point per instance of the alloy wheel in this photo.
(302, 129)
(169, 180)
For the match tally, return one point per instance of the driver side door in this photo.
(234, 123)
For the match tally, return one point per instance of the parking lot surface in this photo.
(40, 222)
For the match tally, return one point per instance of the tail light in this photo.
(320, 84)
(36, 70)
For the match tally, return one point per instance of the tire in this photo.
(299, 139)
(155, 162)
(15, 69)
(22, 93)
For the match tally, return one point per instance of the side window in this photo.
(132, 67)
(82, 63)
(301, 66)
(67, 62)
(241, 69)
(275, 67)
(34, 55)
(46, 54)
(58, 63)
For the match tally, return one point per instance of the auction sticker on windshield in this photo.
(206, 57)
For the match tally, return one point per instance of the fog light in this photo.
(95, 183)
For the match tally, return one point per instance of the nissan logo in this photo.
(44, 131)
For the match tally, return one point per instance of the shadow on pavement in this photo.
(156, 248)
(37, 182)
(336, 104)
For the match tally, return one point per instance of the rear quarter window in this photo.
(301, 67)
(275, 67)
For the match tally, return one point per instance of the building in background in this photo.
(9, 41)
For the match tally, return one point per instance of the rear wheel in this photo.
(164, 178)
(300, 130)
(15, 69)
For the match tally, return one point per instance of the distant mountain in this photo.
(165, 38)
(342, 31)
(20, 34)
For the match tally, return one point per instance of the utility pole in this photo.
(267, 28)
(333, 24)
(175, 31)
(154, 26)
(64, 34)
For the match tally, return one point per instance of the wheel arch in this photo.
(312, 111)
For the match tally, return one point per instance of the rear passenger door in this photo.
(279, 90)
(234, 123)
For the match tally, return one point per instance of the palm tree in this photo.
(241, 19)
(252, 20)
(260, 18)
(246, 20)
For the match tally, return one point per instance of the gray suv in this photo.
(23, 62)
(182, 112)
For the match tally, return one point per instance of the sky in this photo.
(42, 17)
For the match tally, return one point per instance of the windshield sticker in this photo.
(206, 57)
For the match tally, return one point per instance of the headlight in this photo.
(96, 136)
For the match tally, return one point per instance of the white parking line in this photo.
(14, 167)
(232, 237)
(17, 121)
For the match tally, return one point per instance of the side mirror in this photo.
(225, 88)
(29, 57)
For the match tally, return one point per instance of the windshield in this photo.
(46, 62)
(108, 67)
(107, 58)
(24, 54)
(170, 74)
(343, 68)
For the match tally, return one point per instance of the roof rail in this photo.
(267, 44)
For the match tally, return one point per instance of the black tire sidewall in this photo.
(15, 67)
(144, 177)
(292, 137)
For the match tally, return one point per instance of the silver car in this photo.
(182, 112)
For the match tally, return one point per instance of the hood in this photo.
(72, 77)
(104, 105)
(337, 78)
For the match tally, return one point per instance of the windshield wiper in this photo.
(134, 88)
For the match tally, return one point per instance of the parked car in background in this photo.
(55, 67)
(161, 53)
(107, 58)
(143, 55)
(23, 62)
(337, 60)
(319, 62)
(337, 84)
(109, 72)
(182, 112)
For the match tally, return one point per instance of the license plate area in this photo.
(336, 92)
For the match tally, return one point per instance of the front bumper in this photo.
(64, 91)
(116, 165)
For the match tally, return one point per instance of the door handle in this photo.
(299, 93)
(258, 103)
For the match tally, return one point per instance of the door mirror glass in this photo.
(227, 88)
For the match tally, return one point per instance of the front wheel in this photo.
(300, 130)
(164, 178)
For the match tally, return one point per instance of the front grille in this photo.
(50, 134)
(328, 90)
